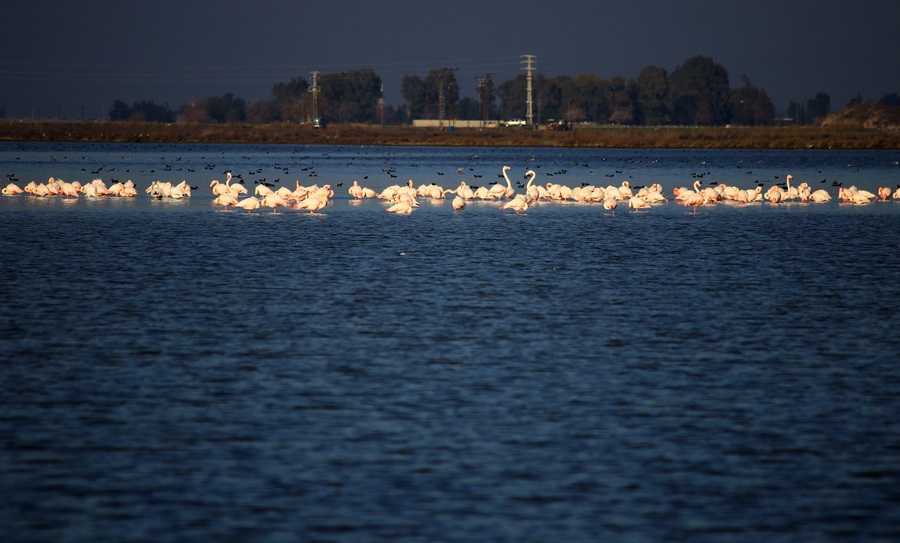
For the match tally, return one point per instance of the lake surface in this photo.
(173, 372)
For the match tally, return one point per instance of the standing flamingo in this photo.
(694, 199)
(610, 204)
(518, 204)
(249, 204)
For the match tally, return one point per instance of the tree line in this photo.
(696, 93)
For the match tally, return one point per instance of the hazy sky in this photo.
(64, 57)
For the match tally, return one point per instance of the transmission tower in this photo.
(314, 89)
(485, 95)
(529, 61)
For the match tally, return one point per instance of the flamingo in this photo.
(68, 189)
(610, 204)
(219, 188)
(636, 202)
(694, 199)
(404, 205)
(91, 191)
(510, 191)
(483, 193)
(518, 204)
(458, 203)
(237, 189)
(273, 200)
(884, 193)
(792, 192)
(313, 203)
(820, 196)
(262, 191)
(249, 204)
(355, 190)
(464, 191)
(12, 189)
(225, 200)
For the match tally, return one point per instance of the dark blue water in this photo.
(176, 373)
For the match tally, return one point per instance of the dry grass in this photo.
(794, 137)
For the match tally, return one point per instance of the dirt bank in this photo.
(793, 137)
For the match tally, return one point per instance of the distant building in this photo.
(437, 123)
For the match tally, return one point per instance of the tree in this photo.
(623, 95)
(699, 91)
(652, 99)
(441, 92)
(120, 111)
(289, 99)
(818, 107)
(512, 97)
(751, 105)
(413, 91)
(225, 109)
(549, 96)
(796, 112)
(467, 108)
(892, 100)
(587, 99)
(261, 111)
(144, 111)
(351, 97)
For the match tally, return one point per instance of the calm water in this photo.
(172, 372)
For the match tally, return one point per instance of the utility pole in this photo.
(441, 102)
(529, 61)
(381, 104)
(314, 89)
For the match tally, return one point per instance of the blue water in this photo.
(172, 372)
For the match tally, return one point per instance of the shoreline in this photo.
(836, 137)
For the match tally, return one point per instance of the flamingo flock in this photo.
(311, 198)
(403, 199)
(57, 187)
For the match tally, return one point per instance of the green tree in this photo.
(549, 97)
(412, 88)
(467, 108)
(587, 99)
(511, 94)
(290, 99)
(623, 95)
(699, 91)
(652, 99)
(441, 90)
(751, 105)
(225, 109)
(351, 97)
